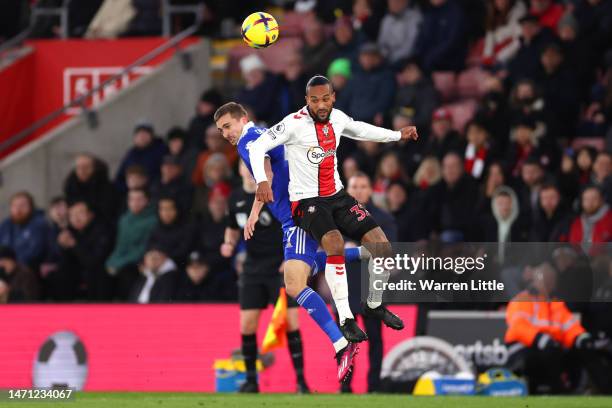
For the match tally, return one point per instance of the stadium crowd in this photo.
(523, 156)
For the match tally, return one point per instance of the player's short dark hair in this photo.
(318, 80)
(235, 110)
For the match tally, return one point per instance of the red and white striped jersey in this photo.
(310, 149)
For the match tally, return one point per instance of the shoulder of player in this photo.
(338, 115)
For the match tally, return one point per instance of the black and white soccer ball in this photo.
(61, 362)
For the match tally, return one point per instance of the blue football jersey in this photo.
(281, 207)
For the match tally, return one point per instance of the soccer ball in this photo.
(61, 362)
(259, 30)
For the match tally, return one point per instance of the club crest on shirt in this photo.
(326, 131)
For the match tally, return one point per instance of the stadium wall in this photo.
(162, 347)
(166, 97)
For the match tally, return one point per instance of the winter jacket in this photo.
(132, 237)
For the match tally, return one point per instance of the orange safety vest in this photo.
(529, 314)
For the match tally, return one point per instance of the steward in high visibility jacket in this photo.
(534, 320)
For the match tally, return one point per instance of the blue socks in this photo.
(317, 309)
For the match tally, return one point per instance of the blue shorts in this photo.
(299, 245)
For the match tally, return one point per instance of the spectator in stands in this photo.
(216, 144)
(23, 285)
(197, 284)
(451, 201)
(12, 19)
(578, 54)
(553, 219)
(136, 178)
(135, 226)
(367, 17)
(360, 188)
(428, 173)
(84, 247)
(407, 205)
(442, 41)
(4, 292)
(25, 230)
(443, 139)
(545, 339)
(317, 52)
(416, 91)
(148, 152)
(493, 111)
(594, 225)
(558, 85)
(528, 187)
(389, 169)
(111, 19)
(173, 184)
(502, 39)
(346, 40)
(534, 37)
(57, 221)
(211, 230)
(261, 90)
(524, 144)
(369, 93)
(216, 173)
(147, 20)
(174, 234)
(89, 181)
(156, 282)
(585, 158)
(527, 101)
(185, 154)
(339, 73)
(293, 81)
(205, 109)
(495, 178)
(602, 175)
(548, 12)
(479, 151)
(399, 30)
(504, 224)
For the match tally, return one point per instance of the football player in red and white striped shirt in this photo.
(320, 204)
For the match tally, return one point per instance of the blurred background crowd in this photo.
(512, 100)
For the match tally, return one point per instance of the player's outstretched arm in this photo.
(364, 131)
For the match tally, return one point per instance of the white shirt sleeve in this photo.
(275, 136)
(357, 130)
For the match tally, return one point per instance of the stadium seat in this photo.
(462, 112)
(445, 83)
(470, 83)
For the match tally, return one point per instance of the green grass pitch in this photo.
(197, 400)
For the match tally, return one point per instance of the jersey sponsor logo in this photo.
(316, 154)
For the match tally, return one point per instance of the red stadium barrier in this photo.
(58, 70)
(165, 347)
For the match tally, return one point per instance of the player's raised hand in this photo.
(249, 228)
(409, 133)
(264, 192)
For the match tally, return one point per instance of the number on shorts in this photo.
(361, 214)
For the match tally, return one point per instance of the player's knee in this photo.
(333, 243)
(248, 326)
